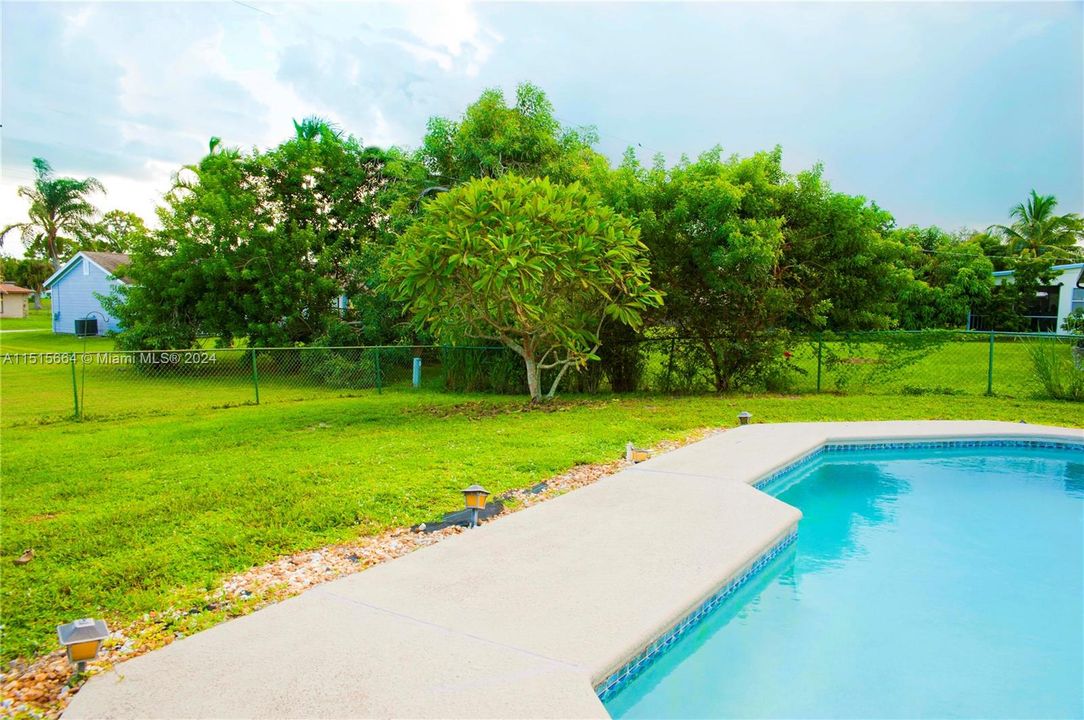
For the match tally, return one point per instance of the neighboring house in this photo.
(13, 301)
(75, 286)
(1054, 302)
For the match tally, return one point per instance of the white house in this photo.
(74, 289)
(1054, 302)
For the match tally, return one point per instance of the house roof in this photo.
(1070, 266)
(9, 289)
(107, 261)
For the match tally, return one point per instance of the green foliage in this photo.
(1011, 302)
(495, 370)
(493, 138)
(59, 213)
(745, 252)
(1074, 322)
(29, 273)
(534, 265)
(716, 237)
(258, 246)
(116, 231)
(841, 267)
(1038, 231)
(953, 276)
(1059, 365)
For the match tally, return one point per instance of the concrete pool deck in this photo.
(518, 618)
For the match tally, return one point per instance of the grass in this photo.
(185, 480)
(138, 514)
(36, 319)
(43, 391)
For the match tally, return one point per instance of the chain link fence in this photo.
(50, 386)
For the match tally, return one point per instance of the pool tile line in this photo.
(646, 657)
(945, 444)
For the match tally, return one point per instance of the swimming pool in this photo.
(925, 582)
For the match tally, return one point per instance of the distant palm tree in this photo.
(316, 128)
(59, 210)
(1036, 230)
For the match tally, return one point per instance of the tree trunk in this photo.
(50, 247)
(37, 300)
(716, 370)
(557, 381)
(534, 379)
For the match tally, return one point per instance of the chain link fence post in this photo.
(75, 387)
(820, 354)
(255, 376)
(990, 368)
(379, 381)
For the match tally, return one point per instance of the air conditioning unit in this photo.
(86, 326)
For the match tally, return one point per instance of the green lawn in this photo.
(131, 515)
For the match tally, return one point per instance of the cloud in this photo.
(916, 105)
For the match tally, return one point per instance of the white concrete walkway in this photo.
(518, 618)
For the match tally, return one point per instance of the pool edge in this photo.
(616, 681)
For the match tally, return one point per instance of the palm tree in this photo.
(1036, 230)
(316, 128)
(59, 210)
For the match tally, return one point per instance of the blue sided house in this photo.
(75, 287)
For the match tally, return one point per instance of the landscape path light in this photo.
(82, 639)
(475, 499)
(634, 454)
(743, 417)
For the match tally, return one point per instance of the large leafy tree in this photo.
(259, 245)
(494, 137)
(60, 211)
(1037, 230)
(746, 252)
(953, 276)
(116, 231)
(716, 237)
(840, 264)
(535, 265)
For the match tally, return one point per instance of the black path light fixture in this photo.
(744, 417)
(82, 639)
(475, 499)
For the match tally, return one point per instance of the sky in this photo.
(944, 113)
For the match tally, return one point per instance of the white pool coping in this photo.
(521, 617)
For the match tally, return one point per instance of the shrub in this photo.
(1058, 369)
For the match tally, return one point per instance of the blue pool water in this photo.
(924, 583)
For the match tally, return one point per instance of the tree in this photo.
(29, 273)
(1037, 231)
(953, 277)
(59, 212)
(260, 245)
(532, 264)
(841, 266)
(116, 231)
(493, 138)
(716, 238)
